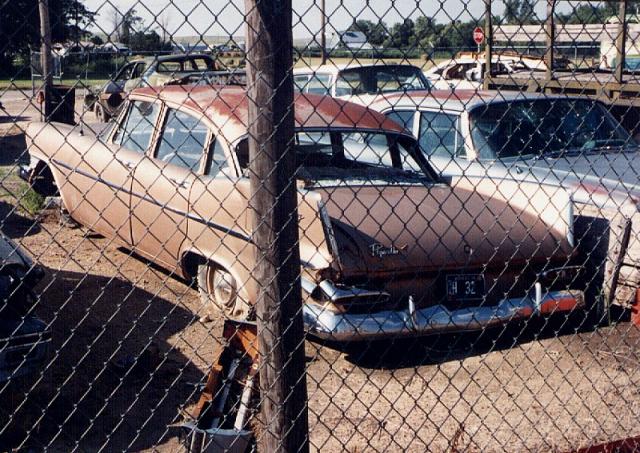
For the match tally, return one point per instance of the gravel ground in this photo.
(540, 387)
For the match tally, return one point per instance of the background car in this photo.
(466, 70)
(169, 180)
(106, 99)
(358, 82)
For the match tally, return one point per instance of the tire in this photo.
(101, 114)
(219, 294)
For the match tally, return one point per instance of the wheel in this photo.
(101, 114)
(219, 294)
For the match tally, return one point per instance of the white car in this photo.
(466, 71)
(570, 142)
(359, 83)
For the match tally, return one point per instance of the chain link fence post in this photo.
(275, 233)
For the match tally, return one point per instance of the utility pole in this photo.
(621, 41)
(45, 58)
(323, 34)
(549, 56)
(488, 47)
(274, 202)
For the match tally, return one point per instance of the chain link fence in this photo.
(322, 225)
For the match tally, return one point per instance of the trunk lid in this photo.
(417, 228)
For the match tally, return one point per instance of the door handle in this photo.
(180, 182)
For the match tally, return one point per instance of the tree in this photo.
(19, 22)
(128, 24)
(376, 33)
(401, 34)
(520, 12)
(164, 22)
(147, 42)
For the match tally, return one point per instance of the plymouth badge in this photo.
(380, 251)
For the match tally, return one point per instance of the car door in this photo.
(162, 183)
(136, 77)
(102, 178)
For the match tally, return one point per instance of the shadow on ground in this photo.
(13, 148)
(113, 381)
(444, 347)
(15, 225)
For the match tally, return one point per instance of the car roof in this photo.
(227, 108)
(454, 100)
(172, 57)
(335, 68)
(180, 56)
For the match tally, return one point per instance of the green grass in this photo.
(30, 201)
(25, 84)
(15, 191)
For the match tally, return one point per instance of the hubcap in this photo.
(224, 291)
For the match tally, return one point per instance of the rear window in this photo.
(356, 155)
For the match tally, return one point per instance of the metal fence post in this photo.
(621, 41)
(275, 233)
(45, 57)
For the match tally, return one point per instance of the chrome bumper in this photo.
(330, 325)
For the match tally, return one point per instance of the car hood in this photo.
(418, 228)
(604, 181)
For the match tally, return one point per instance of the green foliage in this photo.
(19, 22)
(376, 33)
(520, 12)
(30, 201)
(147, 41)
(417, 37)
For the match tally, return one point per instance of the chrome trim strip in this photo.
(148, 199)
(335, 294)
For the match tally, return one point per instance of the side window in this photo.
(403, 117)
(125, 72)
(319, 84)
(440, 135)
(300, 82)
(139, 70)
(217, 160)
(368, 148)
(182, 141)
(350, 83)
(138, 126)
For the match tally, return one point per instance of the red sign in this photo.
(478, 35)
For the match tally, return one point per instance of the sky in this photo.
(219, 17)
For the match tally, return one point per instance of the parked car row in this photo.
(424, 211)
(388, 246)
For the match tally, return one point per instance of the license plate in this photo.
(465, 286)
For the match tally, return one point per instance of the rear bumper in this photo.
(329, 325)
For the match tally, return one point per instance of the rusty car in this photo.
(387, 247)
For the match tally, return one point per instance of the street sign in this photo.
(478, 35)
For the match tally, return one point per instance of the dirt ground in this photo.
(540, 387)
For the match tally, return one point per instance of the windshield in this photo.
(544, 127)
(368, 157)
(380, 79)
